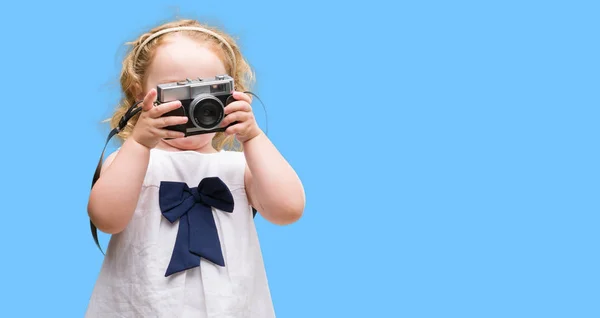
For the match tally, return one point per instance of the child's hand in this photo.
(149, 129)
(240, 111)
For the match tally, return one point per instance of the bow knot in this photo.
(197, 195)
(197, 235)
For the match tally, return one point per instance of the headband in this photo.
(199, 29)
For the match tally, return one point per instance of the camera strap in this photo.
(132, 111)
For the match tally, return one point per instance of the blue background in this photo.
(448, 150)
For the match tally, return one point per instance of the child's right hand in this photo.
(149, 129)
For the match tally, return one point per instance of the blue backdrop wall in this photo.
(448, 150)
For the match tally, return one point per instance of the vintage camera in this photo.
(203, 102)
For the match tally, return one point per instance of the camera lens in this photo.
(208, 113)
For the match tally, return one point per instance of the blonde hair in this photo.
(133, 72)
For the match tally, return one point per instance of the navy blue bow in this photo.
(197, 235)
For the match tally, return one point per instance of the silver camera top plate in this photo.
(190, 88)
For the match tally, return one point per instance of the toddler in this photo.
(180, 209)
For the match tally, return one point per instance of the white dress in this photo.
(132, 280)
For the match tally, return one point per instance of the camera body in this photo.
(203, 101)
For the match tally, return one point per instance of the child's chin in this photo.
(191, 142)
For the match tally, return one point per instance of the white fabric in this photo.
(132, 280)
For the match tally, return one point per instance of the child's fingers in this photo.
(237, 116)
(170, 121)
(162, 109)
(242, 97)
(149, 99)
(235, 129)
(237, 106)
(166, 133)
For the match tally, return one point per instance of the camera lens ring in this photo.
(212, 111)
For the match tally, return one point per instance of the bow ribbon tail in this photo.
(204, 237)
(182, 259)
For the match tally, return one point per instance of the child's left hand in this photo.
(240, 111)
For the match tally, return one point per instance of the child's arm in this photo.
(272, 185)
(114, 197)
